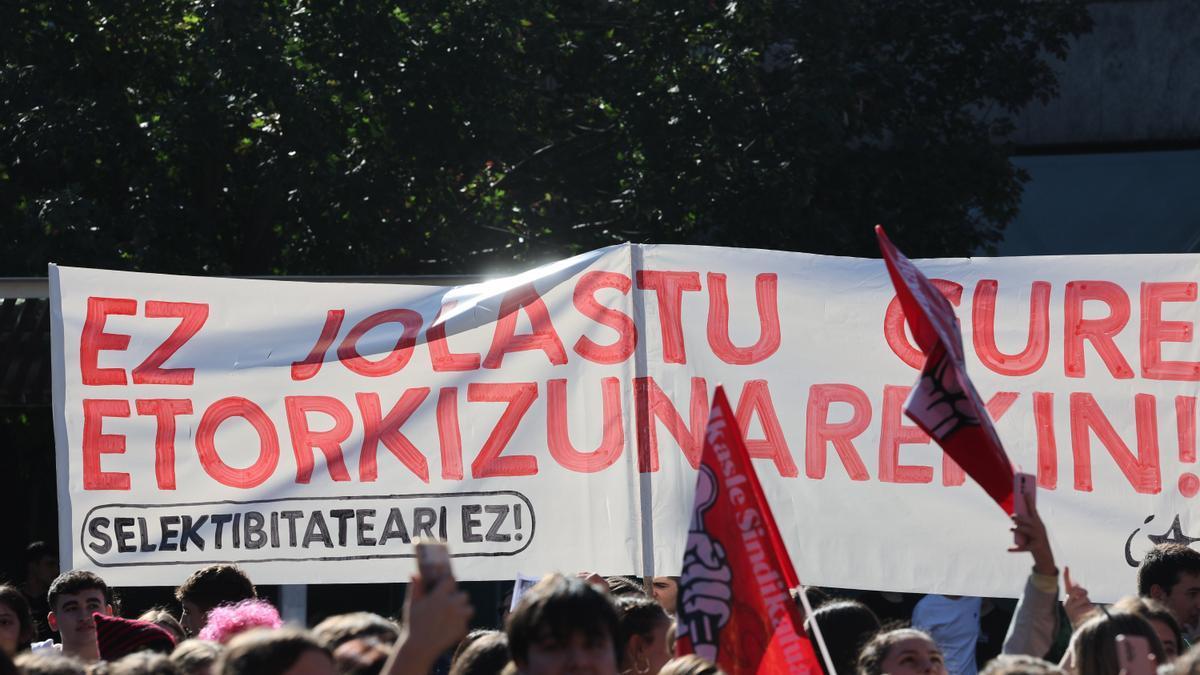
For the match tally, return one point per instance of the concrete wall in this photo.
(1135, 78)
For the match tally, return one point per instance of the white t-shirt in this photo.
(954, 626)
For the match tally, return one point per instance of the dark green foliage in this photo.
(357, 137)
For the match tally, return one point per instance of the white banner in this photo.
(549, 420)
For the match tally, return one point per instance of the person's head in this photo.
(74, 596)
(563, 625)
(504, 606)
(1019, 664)
(471, 637)
(1160, 619)
(619, 586)
(642, 635)
(196, 657)
(226, 621)
(691, 665)
(335, 630)
(16, 623)
(1093, 649)
(283, 651)
(666, 592)
(485, 654)
(160, 617)
(118, 637)
(906, 651)
(209, 587)
(41, 564)
(364, 655)
(846, 625)
(144, 663)
(48, 662)
(815, 596)
(1188, 662)
(1170, 574)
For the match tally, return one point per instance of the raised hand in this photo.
(1077, 604)
(1030, 533)
(435, 619)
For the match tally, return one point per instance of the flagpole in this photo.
(641, 368)
(816, 626)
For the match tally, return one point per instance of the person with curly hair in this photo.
(207, 588)
(226, 621)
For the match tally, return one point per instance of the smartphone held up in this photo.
(433, 561)
(1024, 500)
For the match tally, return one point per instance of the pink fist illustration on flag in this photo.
(939, 402)
(944, 403)
(706, 592)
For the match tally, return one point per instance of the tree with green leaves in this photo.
(366, 137)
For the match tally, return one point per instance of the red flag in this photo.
(944, 403)
(735, 608)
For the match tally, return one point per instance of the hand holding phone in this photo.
(1024, 505)
(433, 561)
(1029, 532)
(1024, 493)
(444, 612)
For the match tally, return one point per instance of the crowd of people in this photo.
(64, 624)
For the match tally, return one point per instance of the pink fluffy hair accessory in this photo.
(226, 621)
